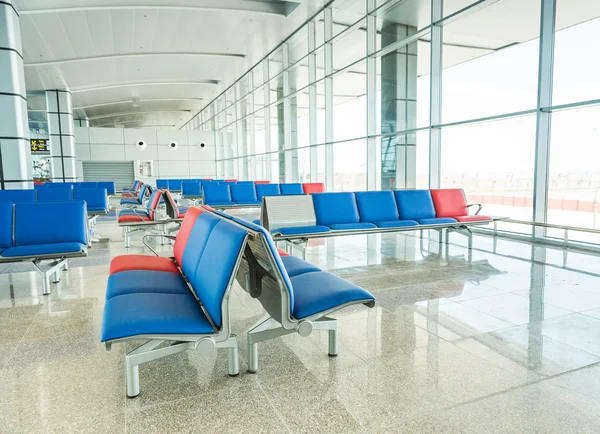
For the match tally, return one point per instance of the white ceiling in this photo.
(149, 62)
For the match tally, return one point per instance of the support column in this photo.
(328, 32)
(62, 139)
(398, 108)
(435, 109)
(544, 99)
(16, 170)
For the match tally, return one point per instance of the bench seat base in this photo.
(296, 266)
(43, 249)
(396, 224)
(473, 218)
(436, 221)
(351, 226)
(145, 282)
(300, 229)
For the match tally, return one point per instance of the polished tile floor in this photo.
(503, 340)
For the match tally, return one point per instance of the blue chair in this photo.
(163, 184)
(338, 211)
(17, 196)
(290, 189)
(244, 194)
(95, 198)
(263, 190)
(379, 208)
(191, 189)
(217, 195)
(70, 185)
(109, 186)
(88, 184)
(54, 195)
(175, 184)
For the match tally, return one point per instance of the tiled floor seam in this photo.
(22, 337)
(279, 416)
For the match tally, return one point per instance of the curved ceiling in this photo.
(140, 63)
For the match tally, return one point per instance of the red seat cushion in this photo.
(142, 262)
(127, 218)
(473, 218)
(184, 232)
(282, 253)
(449, 202)
(313, 187)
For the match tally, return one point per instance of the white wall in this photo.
(119, 144)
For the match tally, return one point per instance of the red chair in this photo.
(313, 187)
(262, 182)
(452, 202)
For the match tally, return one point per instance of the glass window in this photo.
(493, 162)
(298, 45)
(490, 61)
(350, 47)
(350, 103)
(304, 165)
(574, 181)
(350, 165)
(397, 20)
(347, 12)
(320, 113)
(275, 63)
(298, 76)
(576, 63)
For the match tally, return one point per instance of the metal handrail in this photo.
(549, 225)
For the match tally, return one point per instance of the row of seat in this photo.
(241, 195)
(108, 185)
(36, 231)
(135, 198)
(178, 185)
(183, 301)
(96, 198)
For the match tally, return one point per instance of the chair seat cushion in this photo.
(129, 211)
(281, 252)
(296, 266)
(43, 249)
(152, 314)
(145, 282)
(396, 223)
(142, 262)
(473, 218)
(249, 202)
(319, 291)
(96, 209)
(217, 204)
(351, 226)
(436, 221)
(256, 222)
(301, 230)
(130, 201)
(128, 218)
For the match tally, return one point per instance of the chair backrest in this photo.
(449, 202)
(262, 182)
(55, 194)
(153, 202)
(263, 274)
(60, 185)
(17, 196)
(216, 194)
(170, 205)
(108, 185)
(184, 232)
(191, 188)
(313, 187)
(241, 193)
(335, 208)
(263, 190)
(63, 222)
(40, 186)
(142, 192)
(376, 206)
(175, 184)
(162, 184)
(292, 188)
(414, 204)
(88, 184)
(95, 198)
(6, 224)
(210, 260)
(245, 182)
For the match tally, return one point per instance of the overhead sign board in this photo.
(39, 145)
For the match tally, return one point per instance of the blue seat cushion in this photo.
(43, 249)
(436, 221)
(145, 281)
(222, 204)
(152, 314)
(302, 230)
(96, 208)
(296, 266)
(351, 226)
(256, 222)
(396, 223)
(130, 200)
(138, 211)
(291, 189)
(414, 204)
(249, 202)
(376, 206)
(319, 291)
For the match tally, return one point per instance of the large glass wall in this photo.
(496, 97)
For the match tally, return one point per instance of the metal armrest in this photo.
(171, 237)
(475, 204)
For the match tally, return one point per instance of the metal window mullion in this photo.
(267, 113)
(543, 119)
(287, 174)
(371, 78)
(312, 102)
(329, 175)
(251, 131)
(435, 108)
